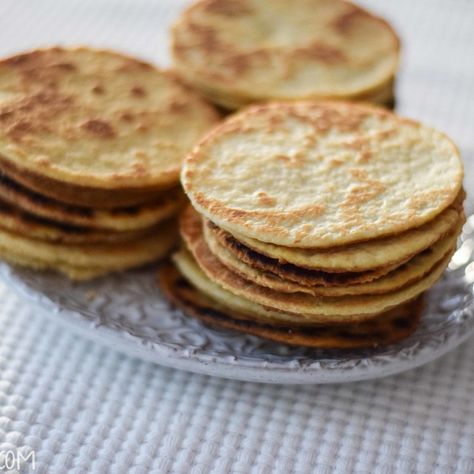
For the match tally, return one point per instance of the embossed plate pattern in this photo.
(127, 312)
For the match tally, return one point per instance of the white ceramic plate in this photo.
(127, 312)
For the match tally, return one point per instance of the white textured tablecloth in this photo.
(79, 408)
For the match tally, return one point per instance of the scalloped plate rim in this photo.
(244, 370)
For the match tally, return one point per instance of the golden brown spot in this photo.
(177, 106)
(426, 198)
(390, 132)
(309, 140)
(139, 169)
(334, 162)
(356, 143)
(241, 63)
(361, 145)
(142, 65)
(312, 210)
(237, 63)
(359, 174)
(141, 127)
(43, 160)
(98, 127)
(19, 60)
(42, 67)
(140, 154)
(66, 66)
(365, 156)
(130, 65)
(283, 158)
(32, 113)
(303, 232)
(227, 7)
(126, 116)
(327, 119)
(23, 126)
(363, 193)
(276, 120)
(344, 23)
(295, 160)
(98, 89)
(137, 91)
(264, 199)
(18, 129)
(205, 37)
(5, 115)
(322, 52)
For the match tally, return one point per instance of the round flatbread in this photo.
(119, 219)
(319, 308)
(246, 309)
(72, 272)
(408, 273)
(110, 256)
(383, 95)
(385, 329)
(241, 51)
(321, 174)
(89, 119)
(33, 227)
(192, 228)
(357, 257)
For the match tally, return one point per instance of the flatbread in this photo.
(386, 329)
(73, 273)
(87, 119)
(132, 218)
(191, 227)
(242, 51)
(358, 257)
(111, 256)
(322, 309)
(410, 272)
(33, 227)
(319, 175)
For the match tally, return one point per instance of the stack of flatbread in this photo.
(316, 223)
(91, 145)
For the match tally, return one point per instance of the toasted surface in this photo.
(413, 270)
(110, 256)
(248, 50)
(357, 257)
(383, 95)
(192, 228)
(188, 267)
(386, 328)
(18, 222)
(321, 174)
(305, 276)
(97, 118)
(80, 195)
(74, 273)
(321, 308)
(120, 219)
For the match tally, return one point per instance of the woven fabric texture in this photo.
(80, 408)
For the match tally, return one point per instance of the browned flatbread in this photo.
(119, 219)
(75, 194)
(410, 272)
(28, 225)
(286, 271)
(94, 127)
(362, 256)
(321, 309)
(388, 328)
